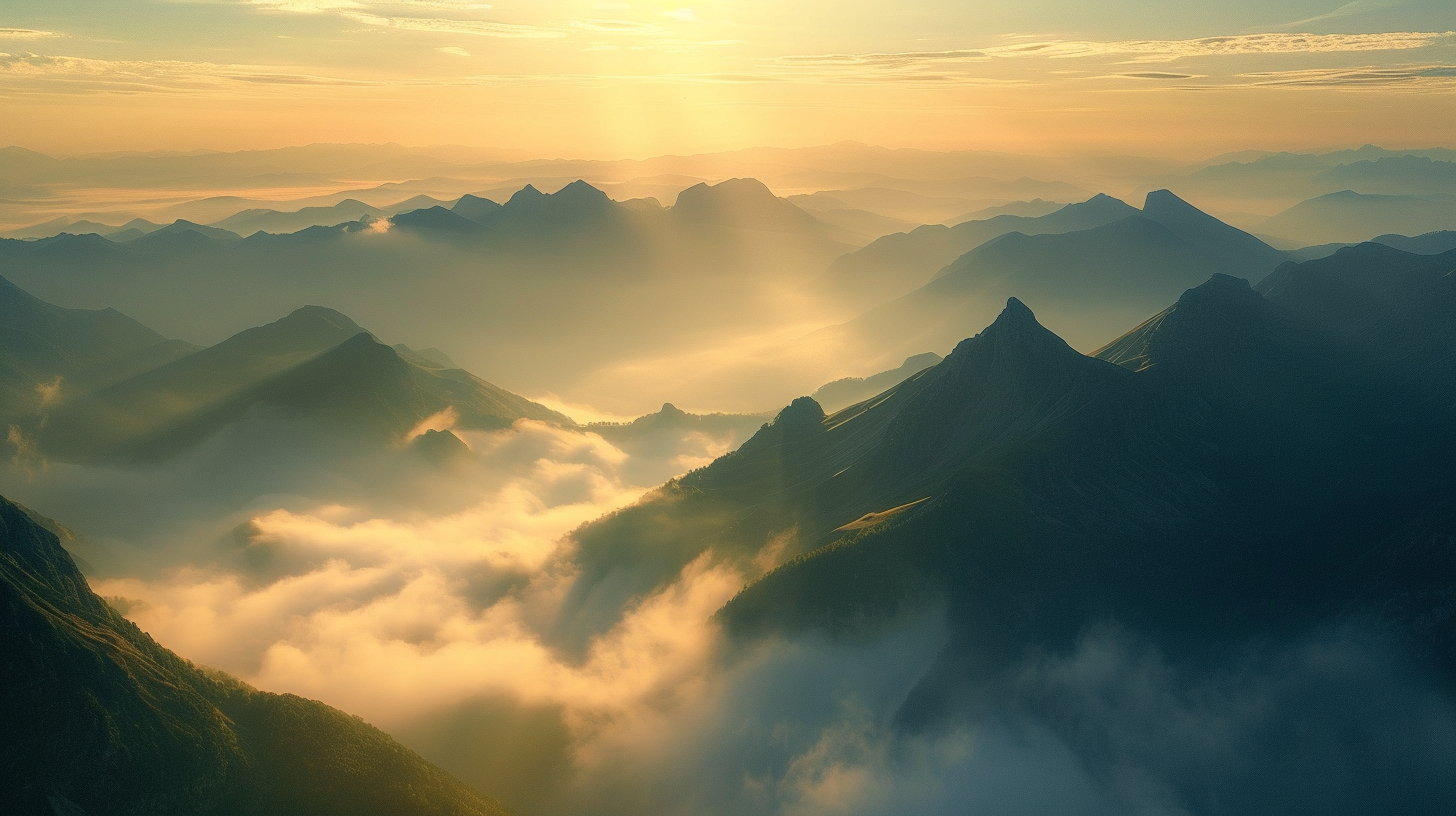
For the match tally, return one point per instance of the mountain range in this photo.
(1244, 466)
(1352, 216)
(1088, 283)
(314, 364)
(896, 264)
(536, 283)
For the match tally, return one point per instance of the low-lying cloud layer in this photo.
(432, 620)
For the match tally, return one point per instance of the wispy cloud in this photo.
(306, 6)
(35, 73)
(1140, 50)
(478, 28)
(26, 34)
(1407, 78)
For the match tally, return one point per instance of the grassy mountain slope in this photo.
(100, 719)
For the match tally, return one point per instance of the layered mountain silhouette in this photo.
(1352, 216)
(896, 264)
(315, 364)
(1240, 468)
(845, 392)
(48, 352)
(541, 284)
(100, 719)
(248, 222)
(1087, 284)
(1430, 243)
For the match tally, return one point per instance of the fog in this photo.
(428, 612)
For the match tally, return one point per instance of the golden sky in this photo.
(633, 79)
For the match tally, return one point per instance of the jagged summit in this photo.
(1015, 333)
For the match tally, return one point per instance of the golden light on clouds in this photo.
(611, 79)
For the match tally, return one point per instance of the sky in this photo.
(585, 78)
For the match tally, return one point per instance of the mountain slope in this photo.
(101, 719)
(47, 351)
(1350, 216)
(1088, 285)
(1242, 474)
(896, 264)
(315, 364)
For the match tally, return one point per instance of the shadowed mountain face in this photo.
(314, 364)
(896, 264)
(1236, 476)
(100, 719)
(1088, 285)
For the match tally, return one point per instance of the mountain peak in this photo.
(527, 193)
(1158, 200)
(1016, 325)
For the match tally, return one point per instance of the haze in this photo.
(574, 408)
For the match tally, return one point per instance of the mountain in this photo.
(248, 222)
(315, 364)
(539, 293)
(1398, 175)
(1088, 284)
(671, 419)
(1431, 243)
(846, 392)
(1350, 216)
(48, 352)
(476, 208)
(743, 204)
(101, 719)
(1239, 477)
(182, 226)
(897, 264)
(438, 222)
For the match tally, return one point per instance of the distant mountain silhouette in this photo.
(897, 264)
(537, 293)
(476, 208)
(47, 352)
(101, 719)
(439, 222)
(844, 393)
(315, 364)
(181, 227)
(1431, 243)
(1350, 216)
(248, 222)
(745, 204)
(1398, 175)
(1088, 283)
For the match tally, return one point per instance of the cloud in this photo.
(1413, 78)
(306, 6)
(1271, 43)
(455, 50)
(617, 26)
(35, 73)
(477, 28)
(26, 34)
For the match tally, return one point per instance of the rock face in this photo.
(100, 719)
